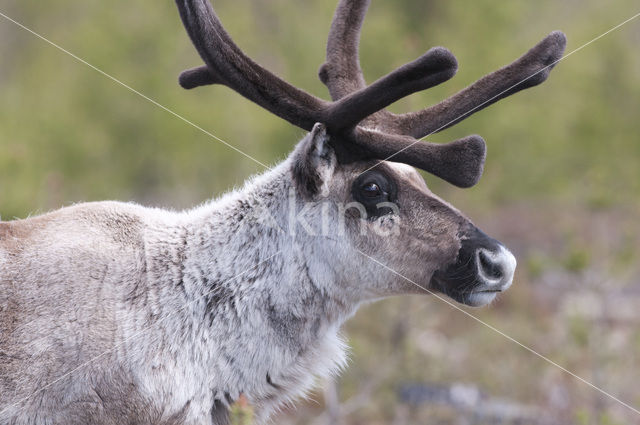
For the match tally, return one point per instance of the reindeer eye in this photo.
(371, 190)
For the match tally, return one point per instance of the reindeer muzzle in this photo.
(483, 269)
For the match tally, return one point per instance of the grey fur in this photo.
(193, 308)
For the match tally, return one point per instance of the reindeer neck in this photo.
(267, 316)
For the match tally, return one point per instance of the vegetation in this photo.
(561, 186)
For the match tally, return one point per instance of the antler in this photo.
(380, 134)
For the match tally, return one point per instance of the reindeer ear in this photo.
(314, 163)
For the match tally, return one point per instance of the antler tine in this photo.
(198, 76)
(341, 72)
(460, 162)
(529, 70)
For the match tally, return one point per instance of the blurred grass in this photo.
(561, 184)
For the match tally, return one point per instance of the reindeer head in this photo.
(392, 216)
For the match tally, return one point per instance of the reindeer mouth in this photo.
(472, 296)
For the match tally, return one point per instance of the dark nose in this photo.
(492, 263)
(483, 268)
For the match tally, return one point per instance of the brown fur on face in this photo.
(424, 236)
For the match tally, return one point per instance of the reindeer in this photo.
(114, 313)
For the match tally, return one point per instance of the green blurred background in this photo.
(561, 186)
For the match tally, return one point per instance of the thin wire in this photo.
(114, 79)
(531, 350)
(502, 92)
(140, 332)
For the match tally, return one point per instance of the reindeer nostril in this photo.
(490, 268)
